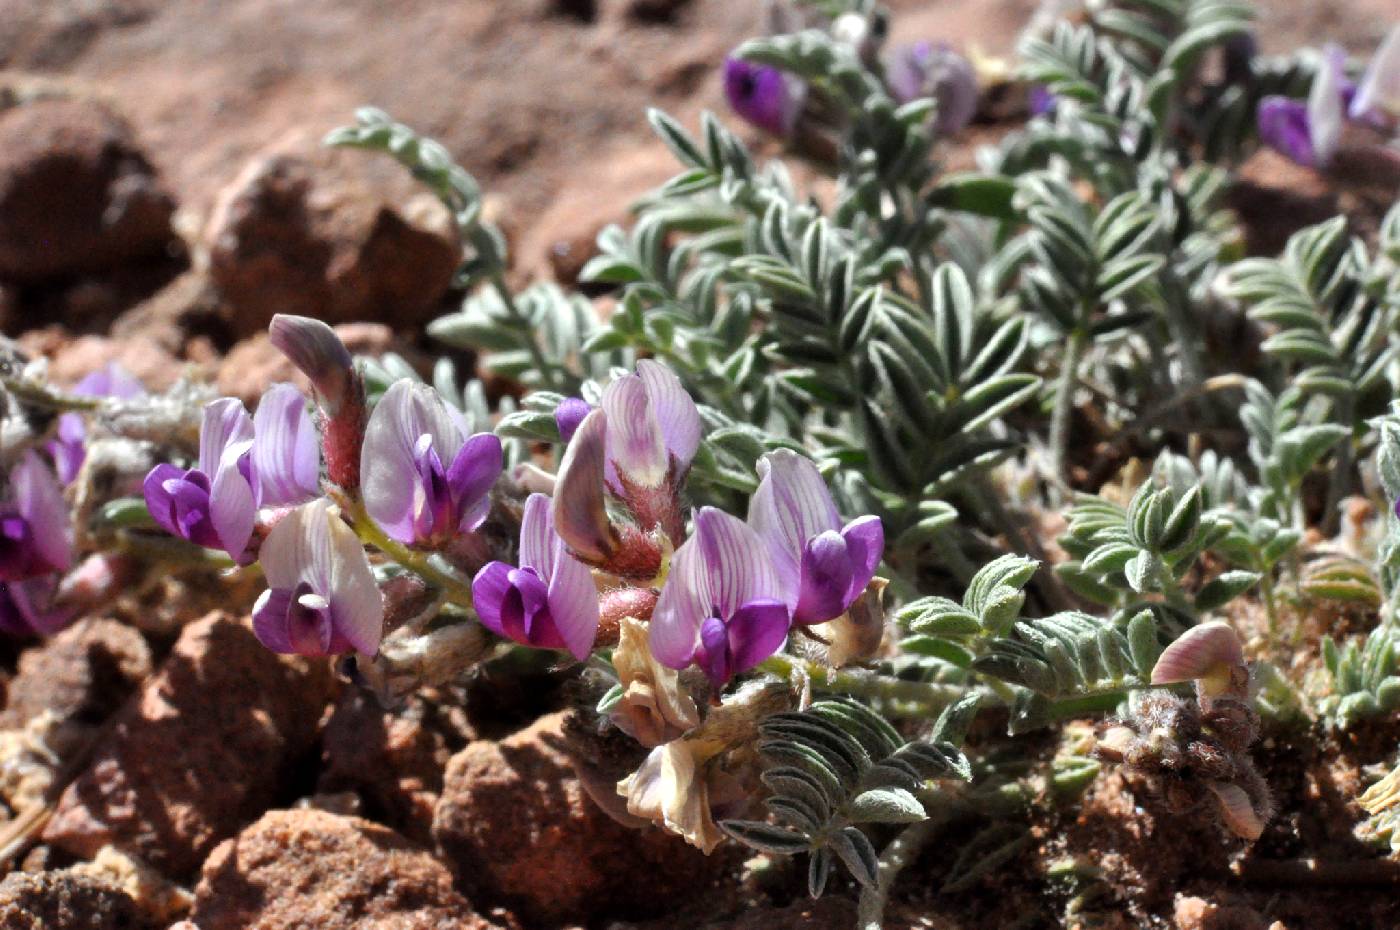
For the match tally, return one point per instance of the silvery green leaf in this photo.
(766, 837)
(885, 805)
(857, 854)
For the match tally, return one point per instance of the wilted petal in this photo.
(674, 410)
(636, 447)
(226, 422)
(39, 500)
(313, 347)
(670, 787)
(1283, 127)
(1201, 652)
(790, 506)
(1326, 109)
(654, 707)
(569, 414)
(763, 95)
(1237, 810)
(1378, 95)
(580, 511)
(286, 456)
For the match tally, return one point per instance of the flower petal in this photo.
(1199, 652)
(489, 589)
(226, 421)
(1237, 810)
(357, 607)
(865, 538)
(1326, 109)
(1378, 95)
(792, 504)
(1283, 127)
(682, 607)
(826, 577)
(39, 499)
(537, 536)
(580, 511)
(286, 449)
(470, 476)
(573, 602)
(232, 507)
(636, 446)
(763, 95)
(569, 414)
(674, 410)
(756, 631)
(735, 561)
(270, 620)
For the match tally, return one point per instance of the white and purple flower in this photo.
(68, 448)
(245, 463)
(926, 69)
(764, 95)
(723, 606)
(1308, 133)
(550, 601)
(822, 565)
(321, 598)
(36, 534)
(1377, 97)
(424, 479)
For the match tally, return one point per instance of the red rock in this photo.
(515, 825)
(312, 869)
(337, 235)
(61, 901)
(83, 673)
(394, 760)
(201, 750)
(76, 193)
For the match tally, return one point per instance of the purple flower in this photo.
(1377, 98)
(569, 414)
(927, 70)
(245, 463)
(653, 427)
(723, 605)
(424, 480)
(763, 95)
(36, 535)
(25, 610)
(823, 566)
(321, 597)
(67, 449)
(550, 601)
(1308, 133)
(1042, 100)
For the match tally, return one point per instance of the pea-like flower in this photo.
(1309, 133)
(424, 479)
(653, 427)
(1377, 97)
(925, 69)
(36, 535)
(723, 605)
(764, 95)
(550, 601)
(68, 446)
(822, 565)
(245, 463)
(321, 597)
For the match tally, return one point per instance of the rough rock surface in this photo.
(304, 869)
(204, 747)
(61, 901)
(83, 673)
(337, 235)
(76, 193)
(516, 826)
(393, 759)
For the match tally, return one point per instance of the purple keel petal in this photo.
(39, 500)
(470, 476)
(1283, 127)
(865, 538)
(713, 654)
(762, 95)
(826, 577)
(286, 449)
(569, 414)
(489, 589)
(756, 631)
(674, 410)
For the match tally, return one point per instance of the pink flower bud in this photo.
(1209, 654)
(314, 348)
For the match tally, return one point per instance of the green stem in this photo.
(901, 851)
(1340, 481)
(542, 365)
(927, 696)
(455, 590)
(1064, 401)
(1086, 705)
(41, 395)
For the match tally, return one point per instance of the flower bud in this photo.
(313, 347)
(1210, 655)
(569, 414)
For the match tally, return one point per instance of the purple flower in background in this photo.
(67, 449)
(1308, 133)
(550, 601)
(35, 529)
(1042, 101)
(763, 95)
(25, 610)
(245, 463)
(722, 606)
(424, 480)
(569, 414)
(1377, 98)
(822, 565)
(321, 597)
(653, 427)
(924, 69)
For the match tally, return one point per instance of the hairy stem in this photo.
(927, 697)
(1064, 401)
(542, 365)
(901, 851)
